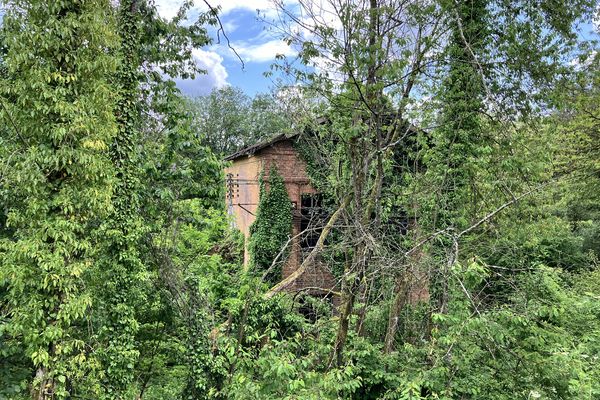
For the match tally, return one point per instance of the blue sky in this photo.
(253, 40)
(249, 35)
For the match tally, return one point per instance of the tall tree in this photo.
(58, 104)
(486, 62)
(375, 47)
(121, 267)
(160, 164)
(457, 145)
(154, 169)
(458, 140)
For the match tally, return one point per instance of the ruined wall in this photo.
(245, 172)
(244, 191)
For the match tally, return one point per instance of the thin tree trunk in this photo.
(45, 388)
(394, 315)
(365, 290)
(310, 260)
(348, 296)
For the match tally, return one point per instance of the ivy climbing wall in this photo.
(242, 197)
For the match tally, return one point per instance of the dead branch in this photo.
(313, 254)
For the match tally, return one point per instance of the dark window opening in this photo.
(312, 219)
(401, 222)
(308, 311)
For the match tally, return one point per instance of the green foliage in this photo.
(186, 247)
(530, 347)
(271, 231)
(121, 276)
(58, 102)
(230, 120)
(316, 168)
(121, 267)
(79, 193)
(160, 163)
(544, 343)
(577, 125)
(458, 144)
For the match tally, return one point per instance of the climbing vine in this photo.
(272, 228)
(119, 284)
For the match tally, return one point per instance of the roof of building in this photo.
(251, 150)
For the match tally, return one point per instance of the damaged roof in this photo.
(255, 148)
(251, 150)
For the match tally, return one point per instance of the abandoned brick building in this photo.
(242, 196)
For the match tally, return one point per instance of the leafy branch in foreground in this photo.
(58, 95)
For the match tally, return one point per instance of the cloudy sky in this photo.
(249, 35)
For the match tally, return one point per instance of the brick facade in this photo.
(242, 196)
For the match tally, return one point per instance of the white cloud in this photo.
(168, 8)
(262, 52)
(230, 26)
(216, 76)
(230, 5)
(212, 62)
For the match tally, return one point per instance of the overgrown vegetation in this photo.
(271, 232)
(457, 153)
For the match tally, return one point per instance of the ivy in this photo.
(272, 228)
(121, 265)
(315, 171)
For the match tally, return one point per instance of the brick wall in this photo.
(245, 171)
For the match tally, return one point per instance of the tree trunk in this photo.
(362, 313)
(400, 291)
(44, 390)
(348, 297)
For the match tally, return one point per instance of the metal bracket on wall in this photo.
(245, 209)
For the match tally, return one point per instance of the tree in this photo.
(456, 147)
(230, 120)
(158, 162)
(57, 100)
(374, 47)
(578, 126)
(485, 60)
(121, 266)
(103, 75)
